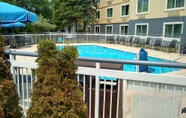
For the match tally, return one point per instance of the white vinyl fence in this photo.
(131, 95)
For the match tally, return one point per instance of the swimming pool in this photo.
(104, 52)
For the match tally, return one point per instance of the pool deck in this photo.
(151, 52)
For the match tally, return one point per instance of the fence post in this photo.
(50, 35)
(97, 87)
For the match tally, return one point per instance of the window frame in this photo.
(112, 12)
(147, 24)
(121, 10)
(99, 2)
(172, 9)
(121, 26)
(171, 23)
(142, 12)
(90, 29)
(99, 14)
(95, 29)
(106, 28)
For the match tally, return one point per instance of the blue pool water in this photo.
(103, 52)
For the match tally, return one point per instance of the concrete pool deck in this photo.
(151, 52)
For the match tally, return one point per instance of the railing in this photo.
(131, 95)
(65, 38)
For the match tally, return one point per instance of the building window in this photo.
(124, 10)
(109, 12)
(97, 29)
(142, 6)
(172, 30)
(142, 29)
(171, 4)
(98, 1)
(88, 29)
(97, 15)
(123, 29)
(109, 29)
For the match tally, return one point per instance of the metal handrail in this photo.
(118, 61)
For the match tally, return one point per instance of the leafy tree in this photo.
(68, 13)
(9, 1)
(56, 93)
(9, 105)
(37, 6)
(43, 25)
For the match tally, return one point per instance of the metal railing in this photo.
(120, 94)
(95, 38)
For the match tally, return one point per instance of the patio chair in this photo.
(142, 42)
(122, 40)
(136, 41)
(172, 45)
(118, 40)
(157, 43)
(147, 43)
(183, 48)
(110, 39)
(129, 42)
(19, 40)
(6, 41)
(13, 43)
(27, 41)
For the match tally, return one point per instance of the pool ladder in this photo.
(173, 61)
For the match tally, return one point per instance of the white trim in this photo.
(112, 13)
(123, 25)
(95, 28)
(177, 8)
(99, 14)
(90, 29)
(142, 24)
(121, 10)
(171, 23)
(142, 12)
(106, 28)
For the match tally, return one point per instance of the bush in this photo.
(9, 105)
(56, 93)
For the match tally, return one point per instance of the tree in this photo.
(56, 93)
(68, 13)
(37, 6)
(43, 25)
(9, 105)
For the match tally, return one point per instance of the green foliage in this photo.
(56, 93)
(68, 13)
(43, 25)
(36, 6)
(9, 106)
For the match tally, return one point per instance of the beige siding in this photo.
(157, 10)
(116, 5)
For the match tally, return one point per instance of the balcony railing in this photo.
(124, 95)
